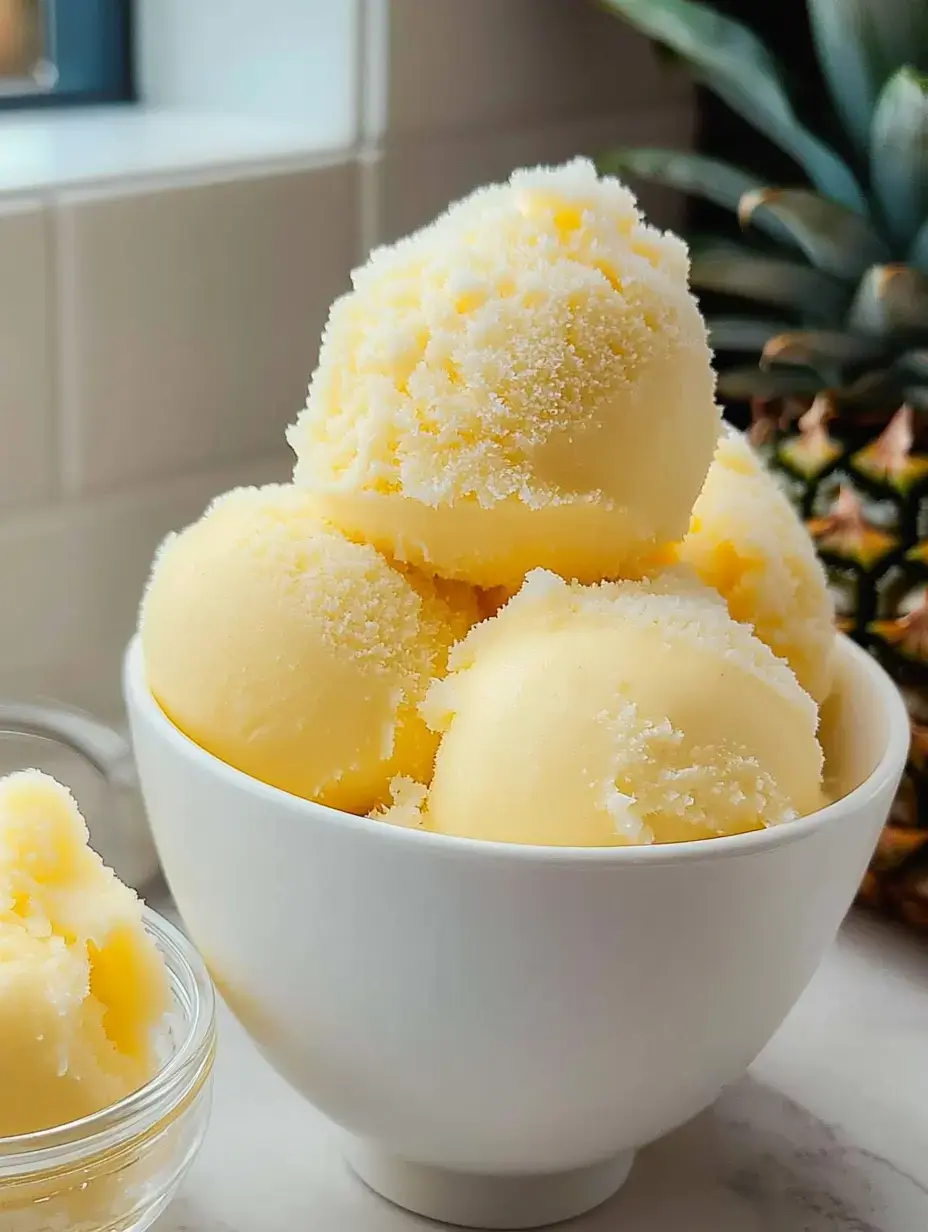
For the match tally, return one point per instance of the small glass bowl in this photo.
(117, 1170)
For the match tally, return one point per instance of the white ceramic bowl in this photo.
(498, 1027)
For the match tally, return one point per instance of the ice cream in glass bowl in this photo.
(506, 767)
(107, 1022)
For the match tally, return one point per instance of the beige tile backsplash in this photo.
(27, 427)
(466, 65)
(73, 576)
(156, 339)
(190, 318)
(419, 178)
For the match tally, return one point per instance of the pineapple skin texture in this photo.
(82, 985)
(866, 503)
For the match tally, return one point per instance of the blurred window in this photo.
(57, 52)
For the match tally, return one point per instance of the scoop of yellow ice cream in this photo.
(293, 654)
(628, 712)
(526, 382)
(407, 807)
(82, 986)
(746, 541)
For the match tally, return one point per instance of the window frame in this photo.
(88, 47)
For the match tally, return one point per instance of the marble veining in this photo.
(820, 1137)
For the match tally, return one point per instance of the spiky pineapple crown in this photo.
(840, 263)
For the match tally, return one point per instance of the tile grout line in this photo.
(66, 354)
(117, 502)
(371, 69)
(359, 68)
(63, 443)
(258, 166)
(369, 172)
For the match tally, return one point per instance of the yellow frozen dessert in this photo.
(746, 541)
(526, 382)
(460, 615)
(293, 654)
(628, 712)
(83, 988)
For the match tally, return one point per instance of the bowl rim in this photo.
(183, 1072)
(141, 702)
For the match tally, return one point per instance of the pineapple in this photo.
(834, 362)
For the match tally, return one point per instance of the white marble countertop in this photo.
(828, 1133)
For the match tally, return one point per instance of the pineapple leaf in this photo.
(890, 299)
(769, 280)
(745, 383)
(874, 391)
(917, 397)
(899, 153)
(742, 333)
(834, 238)
(867, 314)
(729, 59)
(914, 364)
(714, 181)
(700, 242)
(859, 44)
(827, 351)
(918, 253)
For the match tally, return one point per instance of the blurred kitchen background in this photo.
(184, 187)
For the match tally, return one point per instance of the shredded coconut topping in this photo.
(658, 773)
(526, 310)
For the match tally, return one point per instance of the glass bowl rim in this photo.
(184, 1071)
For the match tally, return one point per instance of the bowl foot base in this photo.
(480, 1201)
